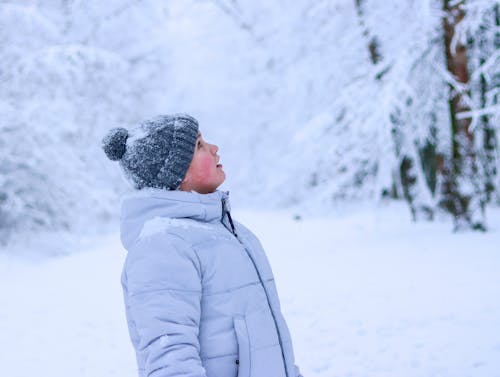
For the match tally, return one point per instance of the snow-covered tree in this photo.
(67, 76)
(389, 106)
(312, 103)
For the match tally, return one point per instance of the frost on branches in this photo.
(401, 102)
(312, 103)
(66, 78)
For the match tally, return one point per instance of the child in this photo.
(199, 293)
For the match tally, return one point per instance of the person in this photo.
(199, 293)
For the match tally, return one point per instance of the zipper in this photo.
(233, 231)
(226, 211)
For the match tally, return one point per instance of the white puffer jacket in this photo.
(199, 292)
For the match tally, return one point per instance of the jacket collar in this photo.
(177, 204)
(146, 204)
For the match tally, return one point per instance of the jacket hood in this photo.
(146, 204)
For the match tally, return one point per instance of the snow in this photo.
(136, 133)
(365, 292)
(162, 224)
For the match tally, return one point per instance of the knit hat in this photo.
(155, 153)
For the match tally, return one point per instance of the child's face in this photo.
(205, 173)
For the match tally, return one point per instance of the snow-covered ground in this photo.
(366, 293)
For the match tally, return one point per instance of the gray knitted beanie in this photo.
(157, 152)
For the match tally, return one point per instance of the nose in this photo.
(214, 148)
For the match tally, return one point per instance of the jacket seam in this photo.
(156, 370)
(191, 291)
(197, 244)
(217, 356)
(164, 289)
(237, 288)
(249, 342)
(191, 245)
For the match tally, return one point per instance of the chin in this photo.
(222, 180)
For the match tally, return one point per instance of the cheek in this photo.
(204, 167)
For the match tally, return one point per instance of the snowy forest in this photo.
(360, 144)
(312, 103)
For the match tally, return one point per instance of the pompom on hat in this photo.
(155, 153)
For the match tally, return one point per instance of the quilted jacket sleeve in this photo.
(163, 281)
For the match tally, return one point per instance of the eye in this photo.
(199, 144)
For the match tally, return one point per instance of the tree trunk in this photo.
(416, 190)
(462, 196)
(496, 100)
(486, 47)
(411, 176)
